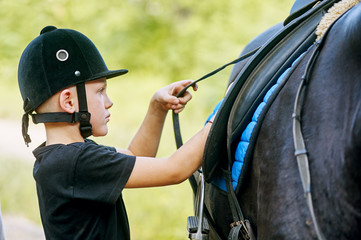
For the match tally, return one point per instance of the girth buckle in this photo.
(240, 227)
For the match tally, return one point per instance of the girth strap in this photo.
(239, 225)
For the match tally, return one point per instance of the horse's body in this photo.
(271, 195)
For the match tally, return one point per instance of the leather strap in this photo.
(299, 8)
(24, 129)
(240, 227)
(176, 125)
(85, 126)
(300, 148)
(56, 117)
(83, 116)
(235, 208)
(298, 140)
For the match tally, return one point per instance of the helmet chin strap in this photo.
(83, 116)
(25, 126)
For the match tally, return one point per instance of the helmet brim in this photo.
(108, 74)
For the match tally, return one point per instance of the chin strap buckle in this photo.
(85, 126)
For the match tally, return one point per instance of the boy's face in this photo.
(98, 106)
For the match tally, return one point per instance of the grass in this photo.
(17, 189)
(159, 213)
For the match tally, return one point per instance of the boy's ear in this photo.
(67, 100)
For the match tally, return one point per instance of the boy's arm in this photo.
(152, 172)
(146, 140)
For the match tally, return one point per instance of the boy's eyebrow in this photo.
(103, 83)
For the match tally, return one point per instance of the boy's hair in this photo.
(55, 60)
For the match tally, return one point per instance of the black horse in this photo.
(269, 190)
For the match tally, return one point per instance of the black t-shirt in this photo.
(79, 189)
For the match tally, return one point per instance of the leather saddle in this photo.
(279, 47)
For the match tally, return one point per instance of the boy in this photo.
(63, 79)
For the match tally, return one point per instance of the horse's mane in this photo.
(333, 14)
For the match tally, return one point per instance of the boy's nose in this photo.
(108, 103)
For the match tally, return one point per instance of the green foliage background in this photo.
(159, 41)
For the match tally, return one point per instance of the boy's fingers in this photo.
(178, 104)
(187, 97)
(178, 110)
(185, 83)
(195, 87)
(170, 99)
(180, 85)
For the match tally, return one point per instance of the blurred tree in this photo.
(163, 37)
(159, 41)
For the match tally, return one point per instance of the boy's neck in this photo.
(62, 133)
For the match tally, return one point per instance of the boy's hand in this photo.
(165, 98)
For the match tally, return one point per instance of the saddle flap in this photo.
(251, 83)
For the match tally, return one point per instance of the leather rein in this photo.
(177, 133)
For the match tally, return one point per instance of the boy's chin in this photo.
(100, 133)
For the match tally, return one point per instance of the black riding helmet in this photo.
(55, 60)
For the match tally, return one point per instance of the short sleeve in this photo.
(101, 173)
